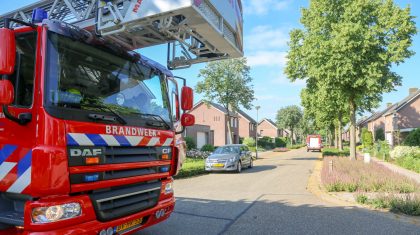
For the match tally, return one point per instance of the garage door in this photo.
(201, 139)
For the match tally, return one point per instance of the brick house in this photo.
(402, 118)
(267, 127)
(396, 120)
(247, 125)
(215, 117)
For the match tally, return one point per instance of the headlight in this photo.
(56, 213)
(169, 188)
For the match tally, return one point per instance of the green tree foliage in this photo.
(350, 46)
(413, 138)
(266, 142)
(289, 117)
(248, 141)
(227, 82)
(379, 134)
(190, 143)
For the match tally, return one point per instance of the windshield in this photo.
(227, 150)
(85, 78)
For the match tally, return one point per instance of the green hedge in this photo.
(191, 167)
(335, 152)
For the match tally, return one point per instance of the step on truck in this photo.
(90, 130)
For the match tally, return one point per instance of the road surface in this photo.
(271, 198)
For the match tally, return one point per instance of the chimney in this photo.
(412, 90)
(388, 105)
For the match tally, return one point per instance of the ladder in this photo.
(196, 31)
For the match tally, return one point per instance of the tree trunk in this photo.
(352, 129)
(336, 137)
(340, 137)
(291, 136)
(229, 136)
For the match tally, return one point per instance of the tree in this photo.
(350, 46)
(289, 117)
(227, 82)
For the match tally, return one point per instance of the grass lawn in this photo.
(372, 184)
(191, 167)
(335, 152)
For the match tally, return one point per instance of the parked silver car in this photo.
(232, 157)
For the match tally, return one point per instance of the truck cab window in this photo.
(23, 77)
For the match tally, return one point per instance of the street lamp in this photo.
(256, 134)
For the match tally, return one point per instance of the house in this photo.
(396, 120)
(402, 118)
(267, 127)
(247, 125)
(211, 124)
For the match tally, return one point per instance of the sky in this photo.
(267, 24)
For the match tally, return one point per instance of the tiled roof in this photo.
(402, 103)
(269, 121)
(245, 115)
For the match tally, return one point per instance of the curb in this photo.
(315, 187)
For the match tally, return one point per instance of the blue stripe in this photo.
(24, 163)
(71, 141)
(122, 140)
(97, 140)
(6, 151)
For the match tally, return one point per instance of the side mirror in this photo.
(187, 119)
(187, 98)
(7, 94)
(7, 51)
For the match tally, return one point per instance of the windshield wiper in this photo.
(117, 116)
(157, 118)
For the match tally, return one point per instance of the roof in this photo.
(379, 114)
(246, 116)
(269, 121)
(396, 107)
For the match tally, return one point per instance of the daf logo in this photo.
(85, 152)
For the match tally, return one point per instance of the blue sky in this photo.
(266, 27)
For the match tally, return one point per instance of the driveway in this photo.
(271, 198)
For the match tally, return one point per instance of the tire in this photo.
(239, 167)
(251, 164)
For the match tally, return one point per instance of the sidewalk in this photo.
(410, 174)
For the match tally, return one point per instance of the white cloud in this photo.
(262, 7)
(267, 58)
(266, 37)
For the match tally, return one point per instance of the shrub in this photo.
(280, 142)
(191, 167)
(190, 143)
(266, 142)
(413, 138)
(379, 134)
(405, 151)
(197, 154)
(367, 139)
(207, 148)
(409, 163)
(250, 142)
(381, 150)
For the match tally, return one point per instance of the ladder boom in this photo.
(196, 30)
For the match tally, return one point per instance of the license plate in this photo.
(128, 226)
(219, 165)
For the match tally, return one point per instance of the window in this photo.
(173, 98)
(23, 77)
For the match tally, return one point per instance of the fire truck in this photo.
(89, 129)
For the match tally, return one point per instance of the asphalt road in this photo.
(271, 198)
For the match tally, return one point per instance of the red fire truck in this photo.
(88, 128)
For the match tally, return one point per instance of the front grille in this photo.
(118, 202)
(117, 155)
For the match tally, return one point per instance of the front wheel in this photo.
(251, 164)
(239, 167)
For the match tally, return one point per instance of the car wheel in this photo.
(239, 167)
(251, 164)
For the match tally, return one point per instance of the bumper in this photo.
(229, 166)
(95, 227)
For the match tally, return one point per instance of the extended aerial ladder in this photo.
(196, 30)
